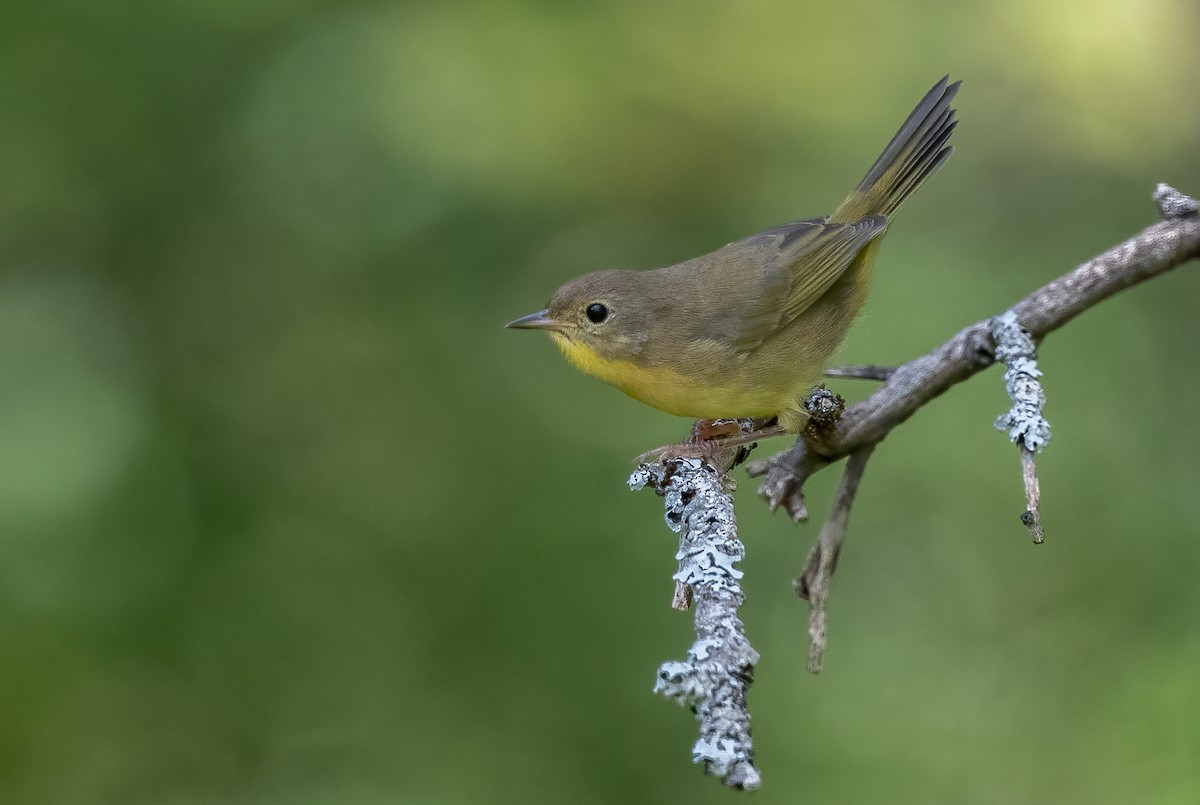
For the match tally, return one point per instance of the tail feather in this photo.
(917, 150)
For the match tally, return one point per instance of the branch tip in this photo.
(1032, 517)
(1173, 204)
(785, 474)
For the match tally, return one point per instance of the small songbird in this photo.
(747, 330)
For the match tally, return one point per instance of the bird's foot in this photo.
(713, 437)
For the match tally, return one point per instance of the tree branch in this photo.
(719, 668)
(717, 673)
(1157, 249)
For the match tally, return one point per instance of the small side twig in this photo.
(716, 676)
(1024, 423)
(867, 371)
(813, 583)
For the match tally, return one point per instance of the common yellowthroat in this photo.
(745, 331)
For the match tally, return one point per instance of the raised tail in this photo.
(914, 154)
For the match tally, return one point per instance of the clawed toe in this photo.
(710, 437)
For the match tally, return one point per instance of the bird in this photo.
(744, 332)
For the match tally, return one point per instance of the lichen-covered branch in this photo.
(717, 673)
(1024, 423)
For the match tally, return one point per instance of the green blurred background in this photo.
(287, 517)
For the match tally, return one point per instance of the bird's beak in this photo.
(537, 321)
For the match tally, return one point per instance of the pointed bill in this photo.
(537, 321)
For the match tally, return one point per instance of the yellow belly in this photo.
(676, 393)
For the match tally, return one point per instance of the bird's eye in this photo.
(596, 312)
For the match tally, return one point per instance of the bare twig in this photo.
(868, 371)
(717, 673)
(813, 583)
(1032, 516)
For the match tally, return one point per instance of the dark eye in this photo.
(597, 312)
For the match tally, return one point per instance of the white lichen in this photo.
(719, 666)
(1023, 422)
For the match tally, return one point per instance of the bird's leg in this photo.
(710, 436)
(763, 429)
(706, 430)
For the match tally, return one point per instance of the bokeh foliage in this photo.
(286, 517)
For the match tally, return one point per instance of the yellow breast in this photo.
(675, 392)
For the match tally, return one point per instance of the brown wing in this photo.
(801, 262)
